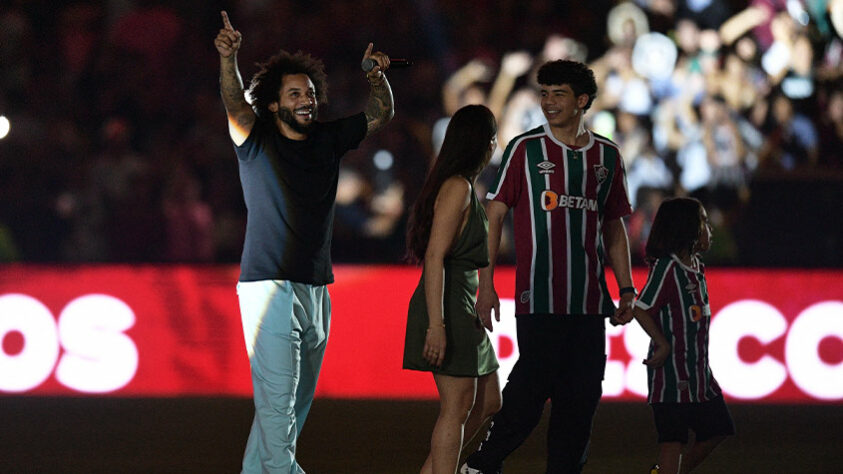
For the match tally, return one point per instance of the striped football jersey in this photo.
(676, 297)
(560, 198)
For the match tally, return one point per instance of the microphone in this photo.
(368, 64)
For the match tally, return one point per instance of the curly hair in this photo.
(575, 74)
(266, 83)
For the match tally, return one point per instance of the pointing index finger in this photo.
(226, 23)
(368, 50)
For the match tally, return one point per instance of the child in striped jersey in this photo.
(673, 309)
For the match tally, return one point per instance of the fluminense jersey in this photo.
(676, 297)
(560, 198)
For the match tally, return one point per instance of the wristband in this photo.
(628, 289)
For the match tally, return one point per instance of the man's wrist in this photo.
(376, 80)
(628, 289)
(490, 286)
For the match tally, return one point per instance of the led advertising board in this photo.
(776, 335)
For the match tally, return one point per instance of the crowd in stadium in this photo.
(117, 148)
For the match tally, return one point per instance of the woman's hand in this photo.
(434, 345)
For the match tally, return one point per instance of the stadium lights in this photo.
(5, 126)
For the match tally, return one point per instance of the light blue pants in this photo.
(286, 327)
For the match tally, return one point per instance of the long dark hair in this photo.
(676, 228)
(265, 84)
(465, 151)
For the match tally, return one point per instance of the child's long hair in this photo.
(676, 228)
(464, 152)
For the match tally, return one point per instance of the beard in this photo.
(287, 116)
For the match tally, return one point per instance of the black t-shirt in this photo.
(290, 188)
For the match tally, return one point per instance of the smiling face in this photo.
(295, 109)
(561, 107)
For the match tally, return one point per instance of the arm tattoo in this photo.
(379, 108)
(233, 97)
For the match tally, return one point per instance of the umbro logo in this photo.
(691, 286)
(546, 167)
(525, 296)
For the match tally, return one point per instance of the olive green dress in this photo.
(468, 351)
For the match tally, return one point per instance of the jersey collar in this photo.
(566, 147)
(686, 267)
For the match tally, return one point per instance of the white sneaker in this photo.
(468, 470)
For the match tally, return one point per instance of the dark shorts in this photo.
(707, 420)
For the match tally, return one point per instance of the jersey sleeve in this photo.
(350, 131)
(660, 283)
(253, 144)
(617, 203)
(510, 178)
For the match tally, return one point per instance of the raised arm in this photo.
(380, 108)
(241, 117)
(617, 246)
(741, 22)
(513, 66)
(456, 85)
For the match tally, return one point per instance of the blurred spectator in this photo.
(639, 223)
(351, 214)
(79, 37)
(124, 187)
(620, 86)
(189, 220)
(632, 136)
(16, 44)
(736, 84)
(791, 139)
(725, 150)
(831, 129)
(706, 13)
(687, 79)
(464, 87)
(649, 171)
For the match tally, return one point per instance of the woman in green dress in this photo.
(447, 233)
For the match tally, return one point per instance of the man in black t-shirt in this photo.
(289, 166)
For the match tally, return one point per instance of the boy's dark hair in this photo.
(267, 81)
(464, 153)
(675, 228)
(575, 74)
